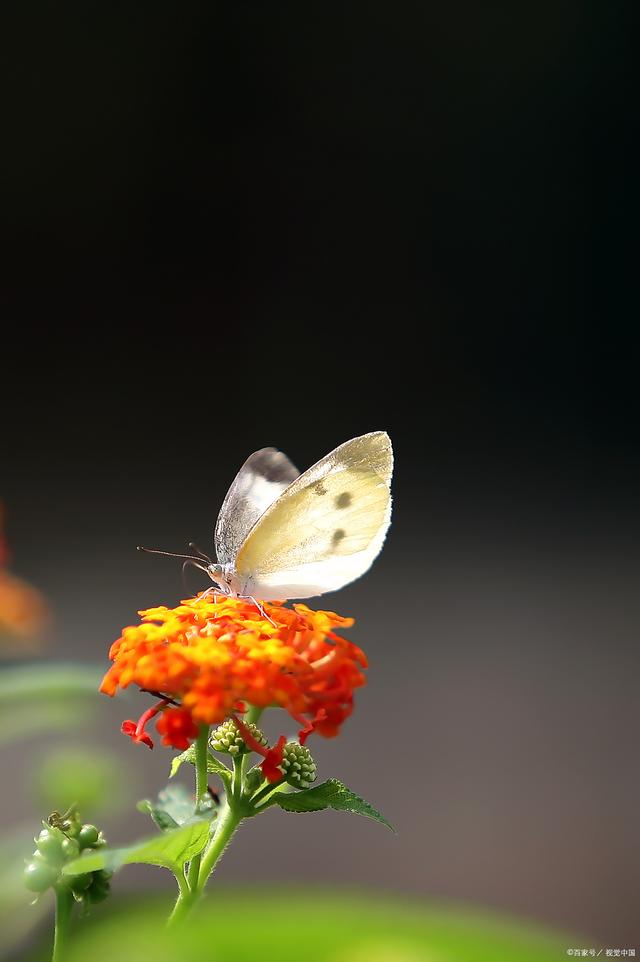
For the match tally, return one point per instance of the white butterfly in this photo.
(281, 534)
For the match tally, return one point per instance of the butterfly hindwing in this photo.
(259, 482)
(326, 528)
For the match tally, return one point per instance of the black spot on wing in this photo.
(338, 535)
(344, 500)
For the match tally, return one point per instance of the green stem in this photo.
(238, 778)
(202, 781)
(184, 903)
(265, 791)
(188, 897)
(252, 717)
(228, 823)
(203, 865)
(202, 777)
(64, 905)
(183, 884)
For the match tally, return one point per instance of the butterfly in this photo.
(281, 534)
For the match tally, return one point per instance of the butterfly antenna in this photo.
(185, 565)
(172, 554)
(199, 551)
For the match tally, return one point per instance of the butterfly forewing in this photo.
(327, 527)
(259, 482)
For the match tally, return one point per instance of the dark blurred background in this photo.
(231, 225)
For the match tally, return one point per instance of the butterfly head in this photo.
(226, 577)
(216, 573)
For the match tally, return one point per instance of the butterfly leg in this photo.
(216, 592)
(259, 607)
(191, 563)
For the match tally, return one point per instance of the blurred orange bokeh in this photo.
(24, 612)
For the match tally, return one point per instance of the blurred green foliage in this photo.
(39, 701)
(42, 697)
(249, 925)
(79, 776)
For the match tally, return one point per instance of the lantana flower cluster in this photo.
(208, 659)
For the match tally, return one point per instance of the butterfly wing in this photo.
(259, 482)
(326, 528)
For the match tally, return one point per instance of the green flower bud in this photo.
(60, 840)
(298, 765)
(253, 780)
(228, 740)
(39, 876)
(70, 848)
(88, 836)
(49, 845)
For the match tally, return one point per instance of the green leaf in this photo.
(177, 802)
(214, 767)
(331, 794)
(163, 820)
(170, 850)
(176, 806)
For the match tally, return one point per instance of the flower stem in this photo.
(183, 906)
(202, 779)
(188, 897)
(64, 905)
(237, 782)
(228, 823)
(253, 715)
(266, 791)
(201, 789)
(202, 865)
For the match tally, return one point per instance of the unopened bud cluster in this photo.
(298, 765)
(228, 740)
(61, 840)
